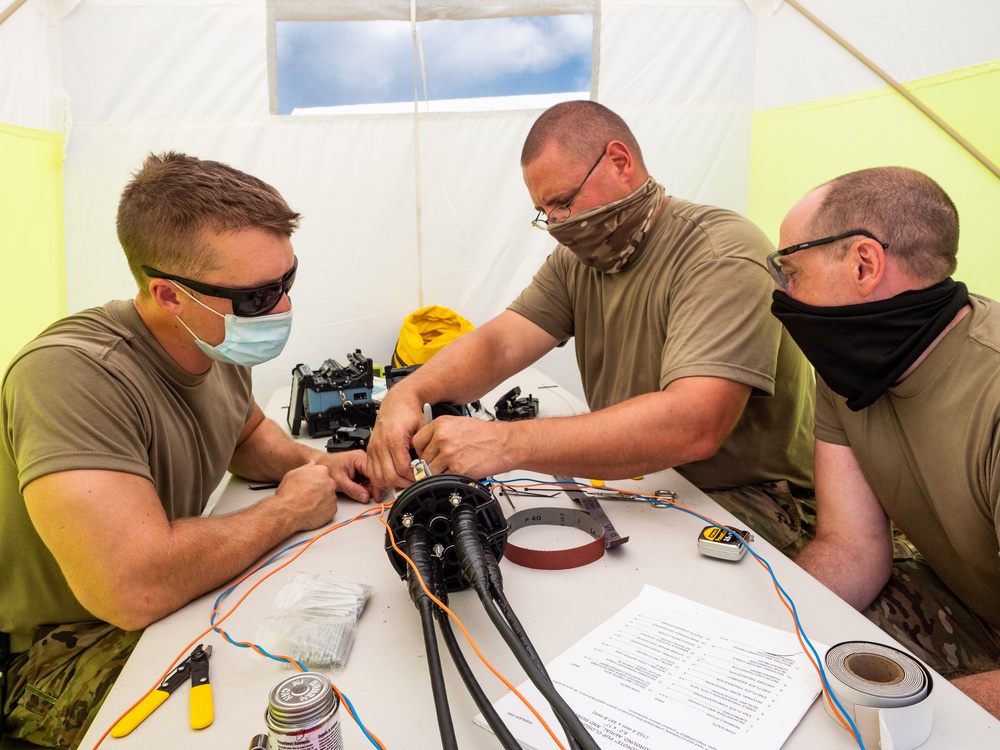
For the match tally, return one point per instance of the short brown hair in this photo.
(174, 197)
(902, 207)
(582, 129)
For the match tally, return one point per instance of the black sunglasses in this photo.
(246, 302)
(774, 259)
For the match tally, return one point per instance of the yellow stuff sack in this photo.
(425, 332)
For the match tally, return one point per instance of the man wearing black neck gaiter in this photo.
(907, 415)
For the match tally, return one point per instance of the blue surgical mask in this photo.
(248, 341)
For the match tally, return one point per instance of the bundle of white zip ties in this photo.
(315, 620)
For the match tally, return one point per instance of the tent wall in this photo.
(798, 147)
(401, 211)
(32, 263)
(819, 112)
(193, 77)
(32, 105)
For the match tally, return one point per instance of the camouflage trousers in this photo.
(915, 607)
(55, 688)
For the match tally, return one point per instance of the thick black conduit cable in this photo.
(577, 735)
(503, 734)
(417, 547)
(495, 583)
(498, 596)
(472, 558)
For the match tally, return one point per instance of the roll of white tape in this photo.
(886, 693)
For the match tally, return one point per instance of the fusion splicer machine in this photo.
(332, 397)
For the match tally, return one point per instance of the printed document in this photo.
(666, 673)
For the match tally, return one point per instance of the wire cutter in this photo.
(194, 666)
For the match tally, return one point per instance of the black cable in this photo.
(495, 581)
(418, 548)
(472, 558)
(577, 735)
(471, 555)
(503, 734)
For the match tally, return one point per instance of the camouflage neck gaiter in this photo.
(608, 238)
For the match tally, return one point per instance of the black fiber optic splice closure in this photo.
(430, 502)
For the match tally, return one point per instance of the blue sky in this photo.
(328, 63)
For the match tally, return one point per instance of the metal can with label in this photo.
(302, 714)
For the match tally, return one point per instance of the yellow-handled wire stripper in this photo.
(195, 667)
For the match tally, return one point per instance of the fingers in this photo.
(389, 459)
(402, 471)
(307, 494)
(460, 445)
(400, 417)
(425, 438)
(353, 490)
(435, 447)
(349, 472)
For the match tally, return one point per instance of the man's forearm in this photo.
(199, 555)
(983, 688)
(268, 454)
(855, 575)
(647, 433)
(852, 552)
(615, 443)
(138, 565)
(460, 373)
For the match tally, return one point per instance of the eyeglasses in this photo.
(561, 212)
(246, 302)
(774, 259)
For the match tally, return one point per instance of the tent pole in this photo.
(10, 10)
(418, 67)
(930, 114)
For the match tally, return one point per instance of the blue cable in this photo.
(226, 636)
(791, 604)
(489, 481)
(357, 719)
(231, 589)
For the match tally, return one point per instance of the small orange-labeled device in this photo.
(716, 541)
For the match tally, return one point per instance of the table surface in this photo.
(386, 677)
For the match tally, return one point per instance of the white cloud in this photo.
(370, 61)
(503, 46)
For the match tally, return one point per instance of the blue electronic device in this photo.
(332, 397)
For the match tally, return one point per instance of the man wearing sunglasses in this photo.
(120, 421)
(907, 413)
(667, 302)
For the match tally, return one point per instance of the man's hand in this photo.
(348, 472)
(399, 419)
(308, 495)
(266, 453)
(461, 445)
(462, 372)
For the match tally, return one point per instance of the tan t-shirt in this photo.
(696, 302)
(930, 450)
(97, 391)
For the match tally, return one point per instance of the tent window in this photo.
(328, 67)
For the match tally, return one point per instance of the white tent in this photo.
(741, 103)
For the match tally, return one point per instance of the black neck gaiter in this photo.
(861, 350)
